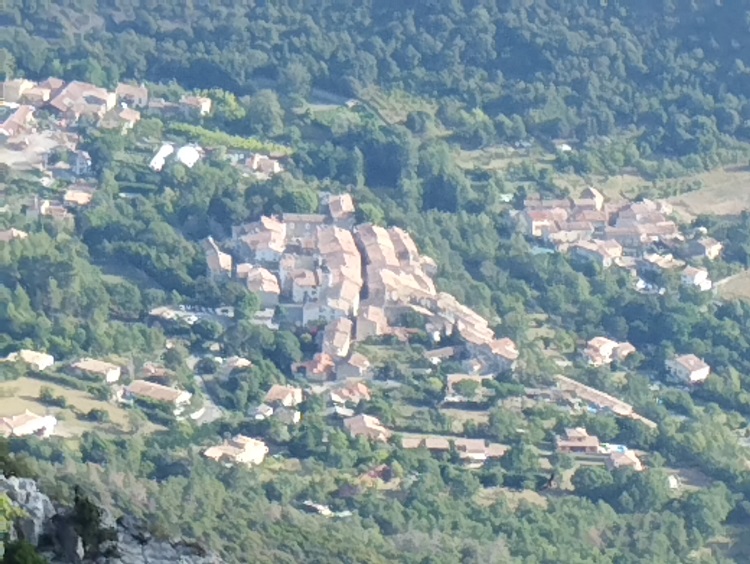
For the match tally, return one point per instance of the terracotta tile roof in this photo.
(367, 426)
(12, 234)
(157, 392)
(690, 362)
(260, 279)
(341, 206)
(81, 96)
(504, 348)
(131, 91)
(287, 395)
(95, 366)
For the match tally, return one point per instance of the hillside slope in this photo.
(677, 72)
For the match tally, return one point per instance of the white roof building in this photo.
(160, 158)
(188, 155)
(106, 370)
(27, 423)
(36, 360)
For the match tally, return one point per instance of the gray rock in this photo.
(37, 507)
(134, 545)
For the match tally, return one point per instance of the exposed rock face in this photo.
(37, 507)
(135, 545)
(48, 528)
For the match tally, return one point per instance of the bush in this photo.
(213, 138)
(22, 552)
(48, 397)
(98, 415)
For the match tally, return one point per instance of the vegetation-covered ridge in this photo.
(672, 73)
(140, 269)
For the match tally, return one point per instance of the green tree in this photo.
(22, 552)
(593, 482)
(706, 510)
(265, 115)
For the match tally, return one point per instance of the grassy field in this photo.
(499, 158)
(726, 191)
(395, 105)
(461, 416)
(736, 288)
(114, 272)
(488, 496)
(19, 395)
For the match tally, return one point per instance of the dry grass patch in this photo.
(488, 496)
(395, 105)
(463, 415)
(726, 191)
(19, 395)
(736, 288)
(618, 188)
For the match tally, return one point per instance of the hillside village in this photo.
(361, 283)
(356, 283)
(40, 122)
(356, 289)
(637, 236)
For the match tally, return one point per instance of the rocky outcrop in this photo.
(37, 507)
(52, 530)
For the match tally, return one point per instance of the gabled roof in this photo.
(358, 360)
(78, 197)
(504, 348)
(340, 206)
(368, 426)
(627, 459)
(353, 392)
(692, 272)
(79, 95)
(260, 279)
(14, 424)
(11, 234)
(690, 362)
(131, 91)
(283, 394)
(157, 392)
(217, 260)
(94, 366)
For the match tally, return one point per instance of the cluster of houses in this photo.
(638, 236)
(601, 351)
(355, 281)
(144, 389)
(71, 101)
(686, 369)
(473, 452)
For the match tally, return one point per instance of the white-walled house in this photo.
(688, 368)
(36, 360)
(107, 371)
(698, 277)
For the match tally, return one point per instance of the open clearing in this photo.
(463, 415)
(725, 191)
(615, 188)
(19, 395)
(395, 105)
(738, 287)
(488, 496)
(691, 479)
(30, 154)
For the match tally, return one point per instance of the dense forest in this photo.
(673, 73)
